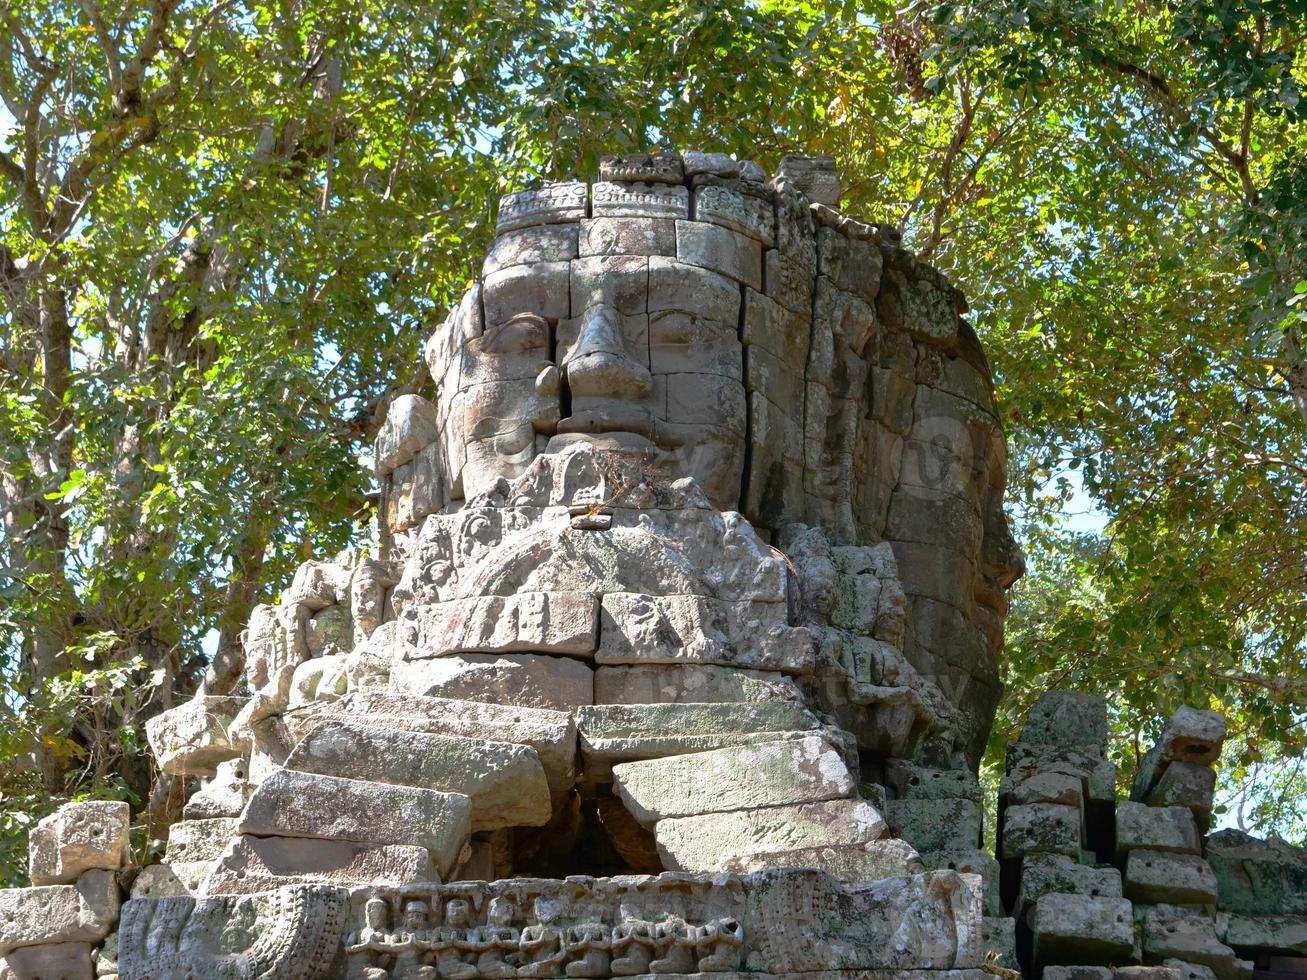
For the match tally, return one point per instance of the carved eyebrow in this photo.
(492, 335)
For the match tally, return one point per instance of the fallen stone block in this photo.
(58, 961)
(200, 840)
(505, 782)
(551, 733)
(690, 683)
(1082, 929)
(936, 825)
(78, 837)
(712, 842)
(1043, 874)
(1155, 828)
(256, 864)
(300, 804)
(1064, 718)
(193, 738)
(46, 914)
(805, 770)
(612, 734)
(1050, 828)
(1258, 877)
(1175, 879)
(1285, 934)
(1173, 932)
(523, 679)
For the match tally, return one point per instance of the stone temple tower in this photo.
(693, 566)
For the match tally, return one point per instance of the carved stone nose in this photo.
(600, 363)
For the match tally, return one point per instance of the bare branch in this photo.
(112, 57)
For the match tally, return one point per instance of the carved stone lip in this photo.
(632, 421)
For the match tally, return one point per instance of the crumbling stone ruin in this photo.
(676, 657)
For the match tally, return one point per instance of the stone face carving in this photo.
(696, 529)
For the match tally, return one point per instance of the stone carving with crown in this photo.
(692, 544)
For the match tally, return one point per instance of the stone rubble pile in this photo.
(1100, 888)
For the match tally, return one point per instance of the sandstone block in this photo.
(624, 733)
(540, 289)
(550, 204)
(644, 629)
(972, 862)
(524, 679)
(1192, 735)
(1000, 938)
(618, 281)
(914, 782)
(628, 236)
(298, 804)
(1155, 828)
(551, 733)
(875, 860)
(1048, 827)
(58, 961)
(1258, 877)
(505, 782)
(721, 250)
(936, 824)
(649, 168)
(613, 199)
(46, 914)
(1187, 784)
(193, 738)
(1082, 929)
(1043, 874)
(1063, 718)
(173, 879)
(748, 214)
(200, 840)
(77, 838)
(552, 622)
(1163, 877)
(411, 423)
(675, 285)
(1172, 932)
(690, 683)
(223, 796)
(1189, 971)
(715, 841)
(805, 770)
(1284, 934)
(1077, 973)
(255, 864)
(543, 243)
